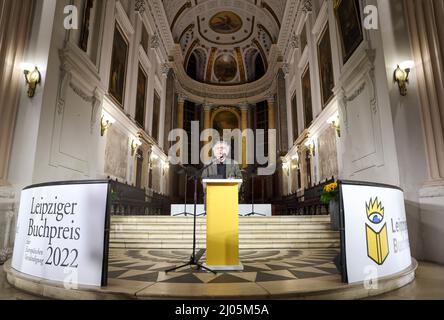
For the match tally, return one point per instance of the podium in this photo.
(223, 224)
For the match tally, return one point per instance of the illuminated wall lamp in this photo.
(33, 78)
(334, 122)
(106, 123)
(135, 144)
(401, 76)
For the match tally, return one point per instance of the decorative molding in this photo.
(140, 6)
(155, 41)
(294, 41)
(286, 69)
(356, 93)
(165, 69)
(307, 6)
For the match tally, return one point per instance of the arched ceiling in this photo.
(225, 34)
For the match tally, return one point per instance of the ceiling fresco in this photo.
(229, 34)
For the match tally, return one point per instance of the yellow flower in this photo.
(331, 187)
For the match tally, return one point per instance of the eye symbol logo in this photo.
(377, 241)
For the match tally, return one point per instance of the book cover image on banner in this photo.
(376, 234)
(60, 233)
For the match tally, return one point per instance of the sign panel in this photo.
(376, 235)
(60, 233)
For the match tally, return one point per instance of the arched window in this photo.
(192, 67)
(259, 67)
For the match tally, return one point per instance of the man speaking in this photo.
(221, 167)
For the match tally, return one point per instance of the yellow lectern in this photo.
(223, 224)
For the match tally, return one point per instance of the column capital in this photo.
(244, 107)
(181, 98)
(207, 107)
(271, 98)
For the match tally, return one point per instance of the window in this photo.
(118, 67)
(141, 97)
(85, 30)
(156, 116)
(325, 67)
(306, 89)
(294, 113)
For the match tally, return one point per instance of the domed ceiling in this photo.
(225, 42)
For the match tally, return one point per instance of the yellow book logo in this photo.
(377, 242)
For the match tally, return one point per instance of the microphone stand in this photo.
(194, 259)
(184, 213)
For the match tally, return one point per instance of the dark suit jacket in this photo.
(233, 170)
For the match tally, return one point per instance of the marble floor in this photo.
(263, 269)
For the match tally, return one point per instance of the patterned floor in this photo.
(260, 266)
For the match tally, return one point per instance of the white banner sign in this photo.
(376, 235)
(61, 233)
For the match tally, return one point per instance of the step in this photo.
(202, 228)
(202, 235)
(158, 244)
(168, 219)
(277, 232)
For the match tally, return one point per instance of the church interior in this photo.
(331, 93)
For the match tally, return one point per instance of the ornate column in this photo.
(427, 37)
(207, 116)
(180, 111)
(427, 40)
(15, 22)
(207, 125)
(244, 126)
(180, 119)
(271, 112)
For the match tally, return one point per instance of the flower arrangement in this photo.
(330, 192)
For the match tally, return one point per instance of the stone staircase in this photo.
(280, 232)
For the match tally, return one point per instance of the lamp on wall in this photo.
(33, 78)
(334, 122)
(309, 143)
(135, 144)
(401, 76)
(106, 123)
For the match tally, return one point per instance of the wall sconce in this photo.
(401, 76)
(334, 122)
(33, 78)
(106, 123)
(310, 145)
(135, 144)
